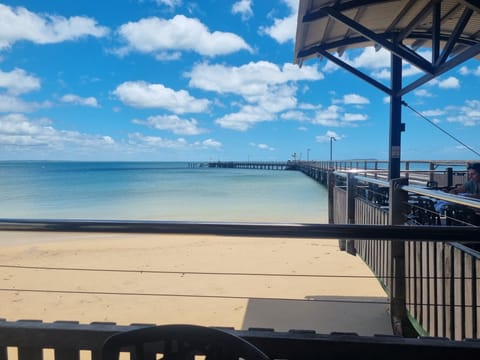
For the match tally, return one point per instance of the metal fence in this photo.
(437, 282)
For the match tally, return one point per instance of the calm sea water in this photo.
(157, 191)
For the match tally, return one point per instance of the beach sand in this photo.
(164, 279)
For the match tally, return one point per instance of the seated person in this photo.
(470, 189)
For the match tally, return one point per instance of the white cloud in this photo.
(262, 146)
(18, 130)
(355, 99)
(372, 59)
(423, 93)
(407, 70)
(276, 99)
(349, 117)
(14, 104)
(449, 83)
(335, 116)
(294, 115)
(251, 79)
(468, 115)
(265, 109)
(172, 123)
(328, 117)
(267, 88)
(145, 141)
(327, 136)
(244, 8)
(141, 94)
(377, 62)
(178, 34)
(168, 56)
(211, 143)
(284, 29)
(433, 112)
(170, 3)
(247, 117)
(464, 70)
(77, 100)
(18, 24)
(18, 82)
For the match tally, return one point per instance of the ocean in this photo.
(165, 191)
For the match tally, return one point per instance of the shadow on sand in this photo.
(325, 314)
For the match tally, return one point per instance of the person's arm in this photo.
(459, 189)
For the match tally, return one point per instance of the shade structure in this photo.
(450, 28)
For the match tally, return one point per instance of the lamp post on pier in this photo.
(332, 138)
(308, 154)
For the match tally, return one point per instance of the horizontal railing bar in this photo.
(324, 231)
(372, 180)
(441, 195)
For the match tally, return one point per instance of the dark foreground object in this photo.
(178, 342)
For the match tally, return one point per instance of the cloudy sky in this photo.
(173, 80)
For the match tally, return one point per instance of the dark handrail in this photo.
(326, 231)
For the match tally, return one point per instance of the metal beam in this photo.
(436, 20)
(442, 68)
(395, 118)
(354, 71)
(462, 22)
(415, 21)
(472, 4)
(397, 49)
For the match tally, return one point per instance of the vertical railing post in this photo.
(350, 209)
(397, 210)
(431, 172)
(449, 176)
(331, 186)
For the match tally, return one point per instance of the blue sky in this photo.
(173, 80)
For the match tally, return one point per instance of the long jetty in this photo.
(265, 165)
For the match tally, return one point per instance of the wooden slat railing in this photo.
(442, 279)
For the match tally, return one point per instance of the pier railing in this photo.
(434, 284)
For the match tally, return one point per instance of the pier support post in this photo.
(396, 126)
(449, 176)
(330, 186)
(398, 310)
(351, 187)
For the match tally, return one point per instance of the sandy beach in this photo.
(208, 280)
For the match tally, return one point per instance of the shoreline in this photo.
(207, 280)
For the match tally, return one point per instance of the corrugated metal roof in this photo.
(402, 26)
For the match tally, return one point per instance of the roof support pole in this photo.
(396, 126)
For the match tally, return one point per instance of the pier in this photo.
(433, 286)
(265, 165)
